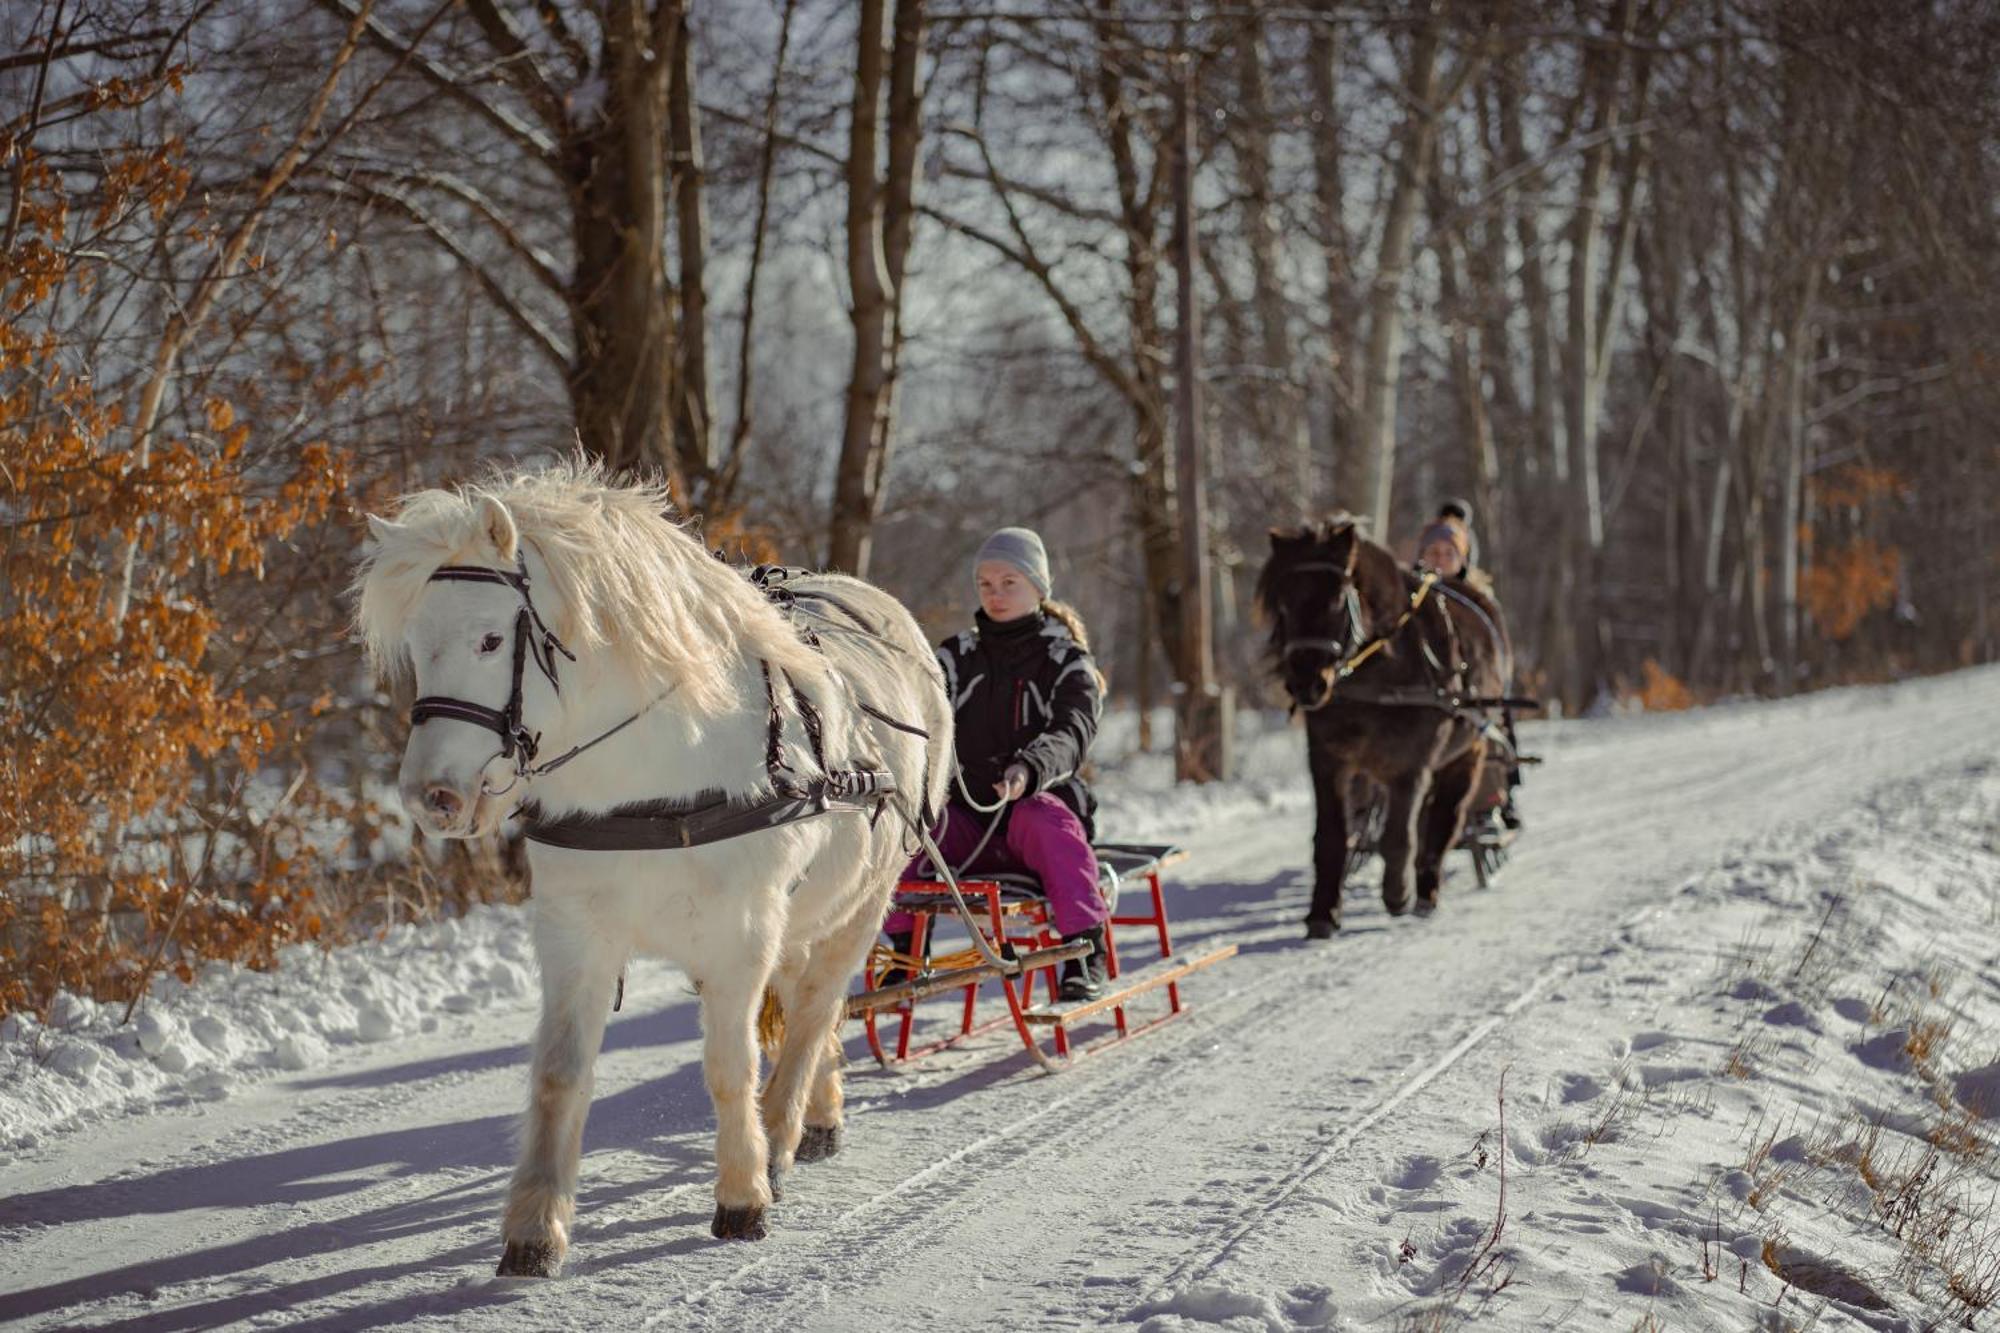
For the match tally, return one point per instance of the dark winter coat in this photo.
(1026, 691)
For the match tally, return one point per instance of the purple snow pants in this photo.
(1044, 837)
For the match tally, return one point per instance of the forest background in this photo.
(1694, 300)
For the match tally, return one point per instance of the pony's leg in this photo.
(1406, 799)
(730, 999)
(1329, 839)
(826, 1118)
(578, 971)
(1444, 815)
(812, 1017)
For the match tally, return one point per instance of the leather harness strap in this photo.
(667, 824)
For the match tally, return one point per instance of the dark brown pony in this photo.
(1381, 664)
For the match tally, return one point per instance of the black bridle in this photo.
(1335, 648)
(531, 637)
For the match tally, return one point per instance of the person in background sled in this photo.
(1448, 549)
(1446, 546)
(1027, 698)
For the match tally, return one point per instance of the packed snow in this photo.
(1719, 1051)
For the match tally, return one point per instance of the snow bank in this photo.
(1772, 1100)
(200, 1042)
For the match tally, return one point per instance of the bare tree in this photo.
(879, 221)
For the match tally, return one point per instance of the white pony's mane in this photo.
(627, 579)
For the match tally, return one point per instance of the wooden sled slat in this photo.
(1132, 983)
(958, 977)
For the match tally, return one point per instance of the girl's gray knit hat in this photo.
(1022, 549)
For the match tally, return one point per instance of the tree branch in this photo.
(539, 261)
(540, 146)
(538, 333)
(518, 64)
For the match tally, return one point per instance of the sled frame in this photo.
(1014, 917)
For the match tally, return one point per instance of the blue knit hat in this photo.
(1022, 549)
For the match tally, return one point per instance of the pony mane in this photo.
(630, 579)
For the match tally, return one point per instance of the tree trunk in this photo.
(694, 422)
(1277, 405)
(1154, 510)
(1583, 529)
(853, 500)
(878, 235)
(739, 435)
(621, 301)
(1547, 449)
(1468, 373)
(1201, 749)
(1367, 485)
(1336, 252)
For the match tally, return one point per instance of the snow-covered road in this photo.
(1229, 1168)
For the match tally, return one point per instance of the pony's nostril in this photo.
(443, 801)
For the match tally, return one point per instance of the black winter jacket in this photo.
(1026, 691)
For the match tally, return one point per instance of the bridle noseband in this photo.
(531, 635)
(1331, 647)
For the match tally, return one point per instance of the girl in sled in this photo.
(1027, 698)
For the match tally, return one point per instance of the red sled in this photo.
(1012, 918)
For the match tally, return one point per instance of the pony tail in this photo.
(1066, 615)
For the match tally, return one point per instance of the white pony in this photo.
(551, 614)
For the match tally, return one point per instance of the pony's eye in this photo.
(490, 644)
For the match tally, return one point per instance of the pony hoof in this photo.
(817, 1143)
(1396, 906)
(777, 1179)
(1322, 930)
(738, 1223)
(529, 1258)
(1426, 904)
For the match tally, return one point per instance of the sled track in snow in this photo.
(860, 1240)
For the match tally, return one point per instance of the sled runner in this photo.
(1486, 837)
(1013, 919)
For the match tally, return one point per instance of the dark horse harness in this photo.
(669, 824)
(1442, 691)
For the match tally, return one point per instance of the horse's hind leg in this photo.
(730, 998)
(577, 979)
(1406, 799)
(825, 1103)
(1443, 816)
(809, 1059)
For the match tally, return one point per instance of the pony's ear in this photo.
(381, 530)
(1284, 537)
(498, 525)
(1340, 544)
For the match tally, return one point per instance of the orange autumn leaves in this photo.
(1842, 584)
(104, 872)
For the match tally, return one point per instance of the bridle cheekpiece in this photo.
(531, 636)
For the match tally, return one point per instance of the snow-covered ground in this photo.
(1736, 999)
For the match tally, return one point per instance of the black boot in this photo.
(895, 973)
(1083, 978)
